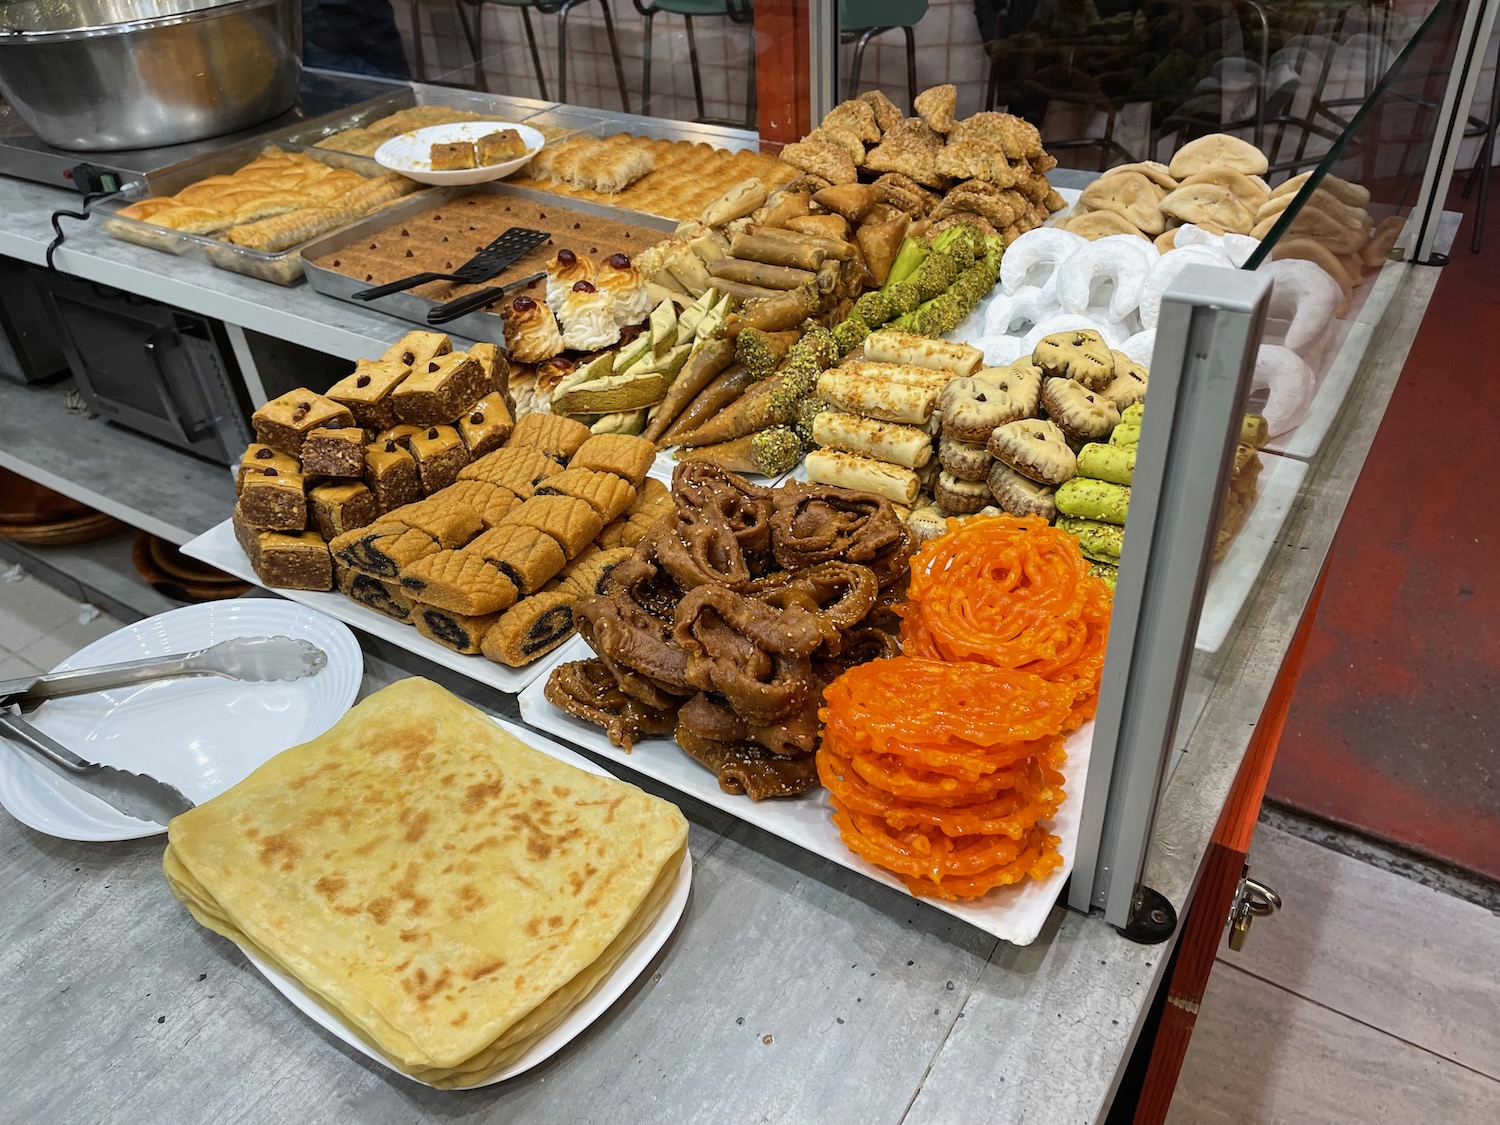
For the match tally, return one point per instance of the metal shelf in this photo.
(133, 478)
(100, 572)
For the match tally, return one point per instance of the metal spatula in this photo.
(494, 259)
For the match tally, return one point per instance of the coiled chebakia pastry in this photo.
(735, 612)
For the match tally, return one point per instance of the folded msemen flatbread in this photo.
(448, 892)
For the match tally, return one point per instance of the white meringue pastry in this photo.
(1032, 259)
(1114, 265)
(1289, 384)
(1303, 295)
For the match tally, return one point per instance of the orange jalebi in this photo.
(1014, 593)
(944, 764)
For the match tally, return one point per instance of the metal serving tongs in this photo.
(255, 659)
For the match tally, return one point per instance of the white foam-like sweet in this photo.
(1032, 259)
(1289, 384)
(1303, 294)
(1001, 350)
(1160, 277)
(1011, 314)
(1140, 346)
(1239, 247)
(1117, 260)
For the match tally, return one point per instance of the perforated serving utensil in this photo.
(494, 259)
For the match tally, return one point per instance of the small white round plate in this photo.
(411, 153)
(202, 734)
(589, 1009)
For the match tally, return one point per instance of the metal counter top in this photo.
(793, 991)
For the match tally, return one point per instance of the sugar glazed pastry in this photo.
(500, 147)
(453, 157)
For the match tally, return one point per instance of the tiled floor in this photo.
(40, 626)
(1370, 998)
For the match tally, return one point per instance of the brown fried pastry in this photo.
(555, 435)
(284, 422)
(935, 106)
(525, 555)
(457, 631)
(334, 453)
(572, 522)
(608, 494)
(418, 348)
(439, 391)
(977, 160)
(1018, 137)
(910, 148)
(821, 159)
(440, 455)
(530, 629)
(486, 425)
(490, 502)
(515, 467)
(391, 474)
(285, 231)
(367, 392)
(621, 454)
(887, 114)
(461, 582)
(373, 593)
(337, 508)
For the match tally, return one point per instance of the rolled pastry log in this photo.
(884, 441)
(865, 474)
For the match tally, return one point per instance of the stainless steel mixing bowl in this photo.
(100, 75)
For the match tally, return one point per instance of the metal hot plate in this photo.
(322, 94)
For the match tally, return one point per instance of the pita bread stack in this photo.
(1215, 182)
(449, 893)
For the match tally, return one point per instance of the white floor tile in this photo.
(29, 611)
(67, 638)
(1412, 961)
(1261, 1055)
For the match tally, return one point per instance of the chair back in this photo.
(856, 15)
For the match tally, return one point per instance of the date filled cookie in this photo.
(971, 409)
(1021, 496)
(1081, 414)
(1080, 355)
(965, 460)
(1128, 387)
(1036, 449)
(960, 497)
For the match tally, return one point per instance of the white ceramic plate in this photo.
(1015, 914)
(201, 735)
(411, 153)
(218, 547)
(594, 1005)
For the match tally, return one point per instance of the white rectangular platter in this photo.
(217, 547)
(1014, 914)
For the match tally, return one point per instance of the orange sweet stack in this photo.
(943, 763)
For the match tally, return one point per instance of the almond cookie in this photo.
(971, 409)
(1080, 355)
(1035, 448)
(960, 497)
(1020, 496)
(965, 460)
(1081, 414)
(1128, 387)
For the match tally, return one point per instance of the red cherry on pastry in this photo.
(567, 258)
(583, 287)
(523, 304)
(620, 261)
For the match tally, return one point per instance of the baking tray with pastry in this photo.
(251, 208)
(441, 228)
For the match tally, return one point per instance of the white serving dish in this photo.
(411, 153)
(218, 547)
(201, 735)
(594, 1005)
(1015, 914)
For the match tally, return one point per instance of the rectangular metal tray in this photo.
(485, 326)
(283, 267)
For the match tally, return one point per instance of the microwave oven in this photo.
(149, 367)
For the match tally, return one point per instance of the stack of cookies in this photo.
(494, 563)
(398, 429)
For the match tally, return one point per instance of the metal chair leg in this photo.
(562, 49)
(418, 53)
(1484, 169)
(474, 36)
(693, 65)
(536, 57)
(646, 66)
(911, 69)
(614, 51)
(851, 90)
(752, 97)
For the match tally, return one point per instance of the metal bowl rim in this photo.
(12, 37)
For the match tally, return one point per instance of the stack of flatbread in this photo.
(448, 892)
